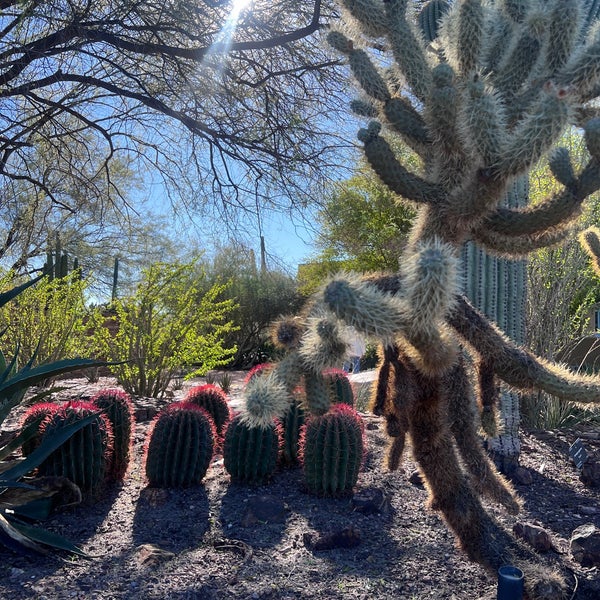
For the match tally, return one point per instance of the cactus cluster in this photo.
(480, 104)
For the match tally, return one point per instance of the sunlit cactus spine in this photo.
(332, 448)
(34, 416)
(85, 458)
(292, 423)
(250, 453)
(212, 399)
(340, 387)
(179, 446)
(118, 407)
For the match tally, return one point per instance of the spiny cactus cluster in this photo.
(481, 105)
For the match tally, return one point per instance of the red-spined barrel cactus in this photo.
(86, 456)
(214, 401)
(332, 448)
(257, 371)
(250, 453)
(340, 388)
(117, 406)
(36, 413)
(179, 446)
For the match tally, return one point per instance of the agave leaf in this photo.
(13, 539)
(8, 296)
(24, 436)
(49, 444)
(35, 534)
(37, 509)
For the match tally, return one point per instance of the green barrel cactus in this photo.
(86, 456)
(179, 446)
(250, 453)
(117, 406)
(340, 388)
(36, 413)
(214, 401)
(332, 450)
(292, 423)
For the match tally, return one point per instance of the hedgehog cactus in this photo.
(340, 388)
(332, 448)
(179, 446)
(86, 456)
(212, 399)
(34, 416)
(117, 406)
(481, 106)
(250, 453)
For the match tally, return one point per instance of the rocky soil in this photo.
(223, 541)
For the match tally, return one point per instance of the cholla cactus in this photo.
(480, 105)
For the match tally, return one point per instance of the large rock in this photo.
(585, 545)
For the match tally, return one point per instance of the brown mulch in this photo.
(199, 543)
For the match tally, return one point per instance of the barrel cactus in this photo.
(340, 388)
(86, 456)
(250, 453)
(117, 406)
(332, 450)
(179, 446)
(214, 401)
(36, 413)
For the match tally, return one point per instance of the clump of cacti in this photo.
(118, 407)
(250, 453)
(179, 446)
(481, 105)
(332, 448)
(214, 400)
(33, 417)
(86, 456)
(340, 387)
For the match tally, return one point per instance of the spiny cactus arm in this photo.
(488, 396)
(402, 116)
(369, 15)
(516, 366)
(399, 179)
(471, 30)
(408, 49)
(564, 26)
(590, 240)
(519, 247)
(459, 395)
(323, 344)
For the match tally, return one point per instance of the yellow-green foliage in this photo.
(170, 321)
(47, 319)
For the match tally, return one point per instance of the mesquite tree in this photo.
(503, 82)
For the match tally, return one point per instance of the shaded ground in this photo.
(211, 551)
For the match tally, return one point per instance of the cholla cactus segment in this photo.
(590, 240)
(471, 27)
(564, 25)
(363, 108)
(366, 308)
(592, 137)
(267, 398)
(286, 333)
(515, 9)
(317, 399)
(582, 71)
(340, 42)
(323, 345)
(403, 117)
(367, 75)
(369, 14)
(562, 168)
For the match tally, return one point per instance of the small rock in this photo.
(415, 478)
(370, 501)
(149, 555)
(264, 509)
(15, 573)
(537, 537)
(522, 476)
(590, 473)
(585, 545)
(588, 510)
(349, 537)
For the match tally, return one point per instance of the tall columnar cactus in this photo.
(34, 416)
(480, 106)
(86, 456)
(179, 446)
(340, 388)
(212, 399)
(250, 453)
(117, 406)
(332, 447)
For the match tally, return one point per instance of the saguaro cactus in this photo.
(480, 106)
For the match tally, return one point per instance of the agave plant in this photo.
(15, 533)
